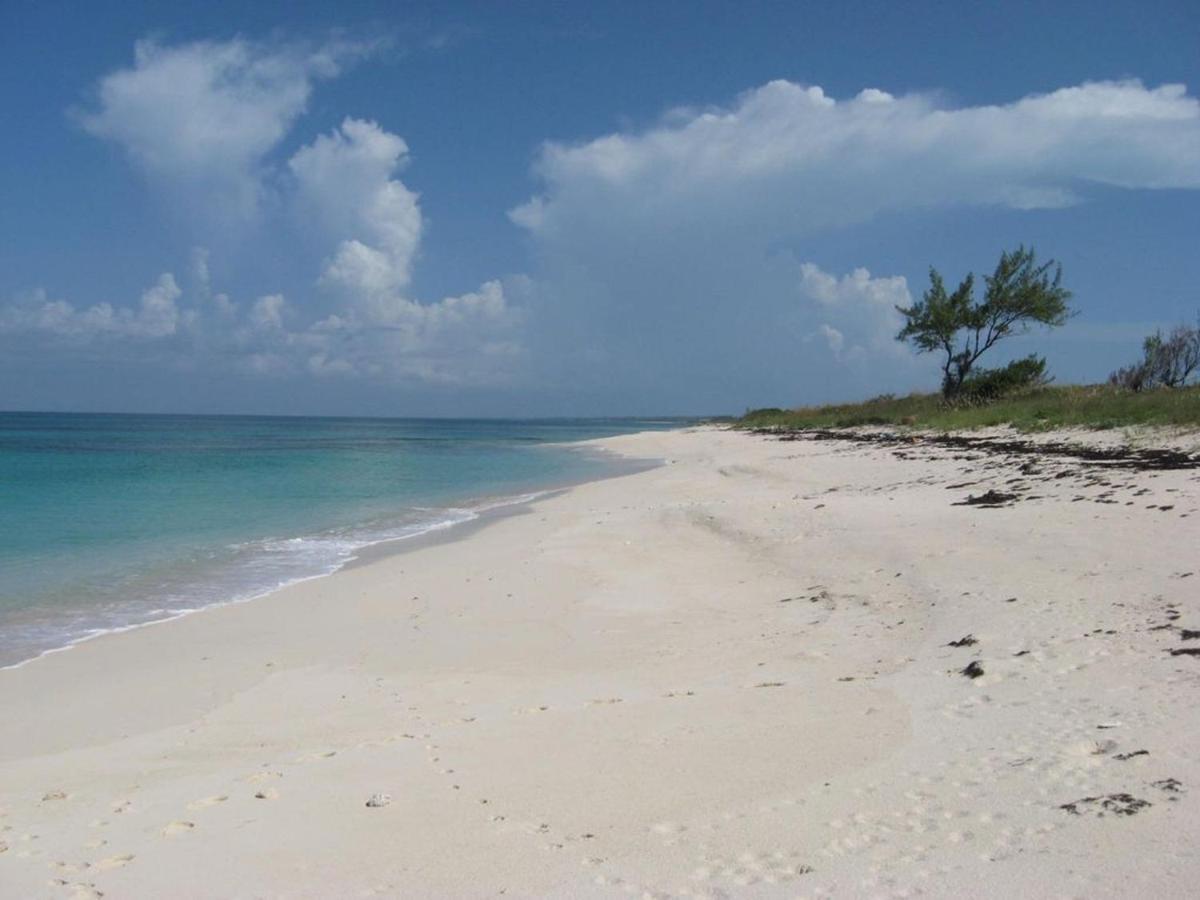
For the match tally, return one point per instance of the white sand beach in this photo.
(731, 675)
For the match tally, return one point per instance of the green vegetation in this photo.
(1166, 362)
(1090, 406)
(1019, 375)
(1018, 294)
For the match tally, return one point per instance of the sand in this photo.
(728, 676)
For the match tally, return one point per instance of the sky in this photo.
(572, 209)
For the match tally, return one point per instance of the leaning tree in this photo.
(1018, 294)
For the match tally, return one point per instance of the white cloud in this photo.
(345, 183)
(473, 338)
(203, 116)
(267, 313)
(207, 120)
(858, 312)
(834, 338)
(469, 339)
(857, 288)
(155, 316)
(790, 158)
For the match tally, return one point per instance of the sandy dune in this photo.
(740, 674)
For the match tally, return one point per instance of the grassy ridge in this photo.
(1083, 406)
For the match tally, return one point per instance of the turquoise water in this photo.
(112, 521)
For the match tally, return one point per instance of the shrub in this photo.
(1166, 362)
(1019, 375)
(763, 411)
(1131, 378)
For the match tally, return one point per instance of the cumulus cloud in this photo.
(470, 339)
(790, 156)
(345, 183)
(859, 306)
(204, 115)
(155, 316)
(208, 118)
(473, 338)
(834, 338)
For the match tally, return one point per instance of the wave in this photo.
(238, 573)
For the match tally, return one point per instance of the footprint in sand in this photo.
(74, 868)
(85, 892)
(208, 801)
(51, 796)
(259, 777)
(266, 794)
(668, 828)
(115, 862)
(28, 853)
(177, 828)
(530, 710)
(315, 757)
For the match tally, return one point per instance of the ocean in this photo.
(113, 521)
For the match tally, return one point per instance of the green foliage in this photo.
(985, 385)
(1038, 409)
(1018, 294)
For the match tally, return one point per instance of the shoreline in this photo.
(479, 511)
(745, 672)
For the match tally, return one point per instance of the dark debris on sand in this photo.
(1117, 804)
(1101, 472)
(972, 670)
(1169, 785)
(1138, 459)
(989, 499)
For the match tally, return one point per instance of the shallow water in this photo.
(111, 521)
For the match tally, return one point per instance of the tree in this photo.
(1166, 362)
(1178, 355)
(1018, 294)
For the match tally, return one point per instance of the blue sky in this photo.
(557, 209)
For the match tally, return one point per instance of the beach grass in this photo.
(1068, 406)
